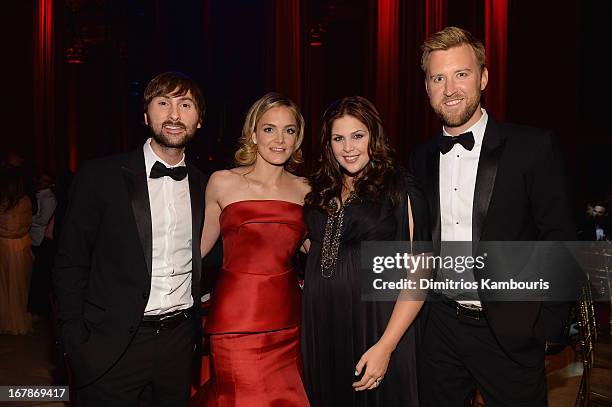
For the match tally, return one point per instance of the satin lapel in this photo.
(490, 153)
(135, 176)
(196, 193)
(433, 192)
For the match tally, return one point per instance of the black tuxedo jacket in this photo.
(520, 195)
(102, 274)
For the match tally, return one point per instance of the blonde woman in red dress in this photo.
(256, 208)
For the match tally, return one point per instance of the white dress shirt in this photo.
(458, 170)
(46, 203)
(172, 239)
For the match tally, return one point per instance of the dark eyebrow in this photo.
(180, 98)
(352, 133)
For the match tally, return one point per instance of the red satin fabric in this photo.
(255, 308)
(260, 239)
(256, 370)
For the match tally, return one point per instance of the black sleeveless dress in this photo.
(337, 326)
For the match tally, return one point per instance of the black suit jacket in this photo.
(520, 195)
(102, 274)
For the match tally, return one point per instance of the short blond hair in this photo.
(451, 37)
(247, 149)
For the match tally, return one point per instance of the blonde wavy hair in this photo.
(247, 150)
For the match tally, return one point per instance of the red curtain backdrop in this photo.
(43, 81)
(72, 116)
(417, 121)
(387, 66)
(435, 16)
(287, 50)
(496, 43)
(436, 19)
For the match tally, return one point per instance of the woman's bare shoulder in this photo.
(301, 183)
(228, 176)
(224, 180)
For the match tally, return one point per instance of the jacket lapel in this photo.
(490, 153)
(135, 176)
(196, 193)
(433, 192)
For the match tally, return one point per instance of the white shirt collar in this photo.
(477, 129)
(150, 158)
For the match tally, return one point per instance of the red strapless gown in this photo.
(254, 316)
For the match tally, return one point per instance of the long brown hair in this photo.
(375, 180)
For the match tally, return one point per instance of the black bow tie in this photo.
(160, 170)
(446, 143)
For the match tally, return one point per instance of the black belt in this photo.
(168, 321)
(465, 310)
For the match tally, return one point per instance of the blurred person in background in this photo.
(42, 245)
(15, 253)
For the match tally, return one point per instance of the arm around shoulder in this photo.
(304, 186)
(212, 228)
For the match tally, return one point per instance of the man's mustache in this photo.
(170, 123)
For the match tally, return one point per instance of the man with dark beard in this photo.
(127, 274)
(485, 181)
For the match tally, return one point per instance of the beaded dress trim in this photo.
(332, 235)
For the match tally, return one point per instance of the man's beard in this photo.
(170, 142)
(458, 119)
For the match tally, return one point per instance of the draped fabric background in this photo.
(287, 70)
(418, 122)
(387, 66)
(287, 52)
(78, 69)
(435, 20)
(496, 43)
(43, 80)
(435, 16)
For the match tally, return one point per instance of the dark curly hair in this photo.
(377, 179)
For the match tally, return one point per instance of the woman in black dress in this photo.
(358, 194)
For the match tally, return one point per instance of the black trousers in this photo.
(41, 283)
(155, 370)
(459, 354)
